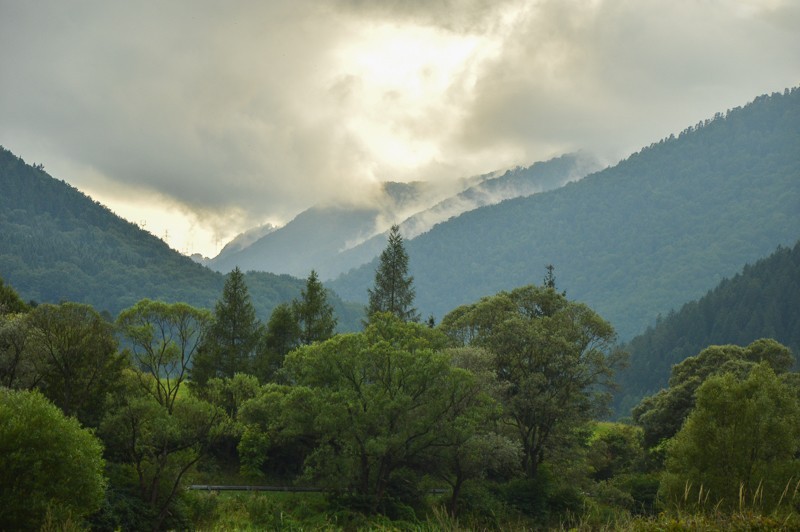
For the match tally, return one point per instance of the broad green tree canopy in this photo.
(76, 357)
(555, 357)
(661, 415)
(47, 463)
(164, 338)
(383, 398)
(742, 437)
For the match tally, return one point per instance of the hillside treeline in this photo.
(496, 408)
(763, 300)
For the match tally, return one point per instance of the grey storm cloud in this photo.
(251, 108)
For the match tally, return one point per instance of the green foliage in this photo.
(382, 399)
(314, 314)
(393, 290)
(282, 335)
(229, 346)
(48, 463)
(620, 468)
(163, 338)
(714, 520)
(231, 393)
(75, 356)
(738, 447)
(10, 301)
(278, 431)
(661, 415)
(474, 449)
(615, 449)
(17, 365)
(155, 446)
(763, 300)
(529, 496)
(553, 356)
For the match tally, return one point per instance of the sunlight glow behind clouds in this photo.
(399, 76)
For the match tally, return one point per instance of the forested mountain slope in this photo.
(57, 244)
(659, 229)
(762, 301)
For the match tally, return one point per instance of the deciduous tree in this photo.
(739, 444)
(662, 414)
(556, 359)
(163, 339)
(157, 445)
(10, 301)
(48, 463)
(475, 449)
(385, 397)
(76, 355)
(17, 366)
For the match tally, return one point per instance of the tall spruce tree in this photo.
(281, 336)
(314, 314)
(233, 337)
(393, 291)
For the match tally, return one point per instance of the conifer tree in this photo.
(282, 335)
(313, 313)
(231, 342)
(393, 291)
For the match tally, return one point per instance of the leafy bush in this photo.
(50, 466)
(529, 496)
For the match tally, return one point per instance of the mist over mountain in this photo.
(517, 182)
(761, 301)
(303, 243)
(242, 240)
(658, 229)
(320, 232)
(57, 244)
(335, 239)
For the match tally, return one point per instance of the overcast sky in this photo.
(204, 118)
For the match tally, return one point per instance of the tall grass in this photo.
(698, 510)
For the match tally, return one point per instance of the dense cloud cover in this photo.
(230, 114)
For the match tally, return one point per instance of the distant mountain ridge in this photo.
(57, 244)
(632, 241)
(243, 240)
(335, 239)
